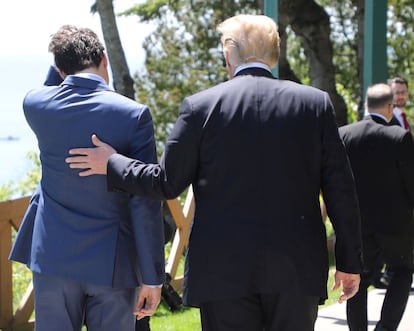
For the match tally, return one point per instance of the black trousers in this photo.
(143, 324)
(261, 312)
(393, 306)
(397, 252)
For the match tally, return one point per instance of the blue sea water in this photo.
(19, 74)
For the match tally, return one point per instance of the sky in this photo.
(26, 26)
(25, 29)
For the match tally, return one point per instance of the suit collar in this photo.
(377, 119)
(254, 71)
(86, 82)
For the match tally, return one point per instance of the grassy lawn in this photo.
(188, 319)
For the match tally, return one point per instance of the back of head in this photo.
(379, 99)
(75, 49)
(250, 38)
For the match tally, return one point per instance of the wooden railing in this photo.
(11, 214)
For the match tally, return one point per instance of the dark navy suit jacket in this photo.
(382, 159)
(257, 152)
(81, 231)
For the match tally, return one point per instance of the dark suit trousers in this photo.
(397, 252)
(261, 312)
(393, 306)
(143, 324)
(66, 305)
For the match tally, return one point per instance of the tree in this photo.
(183, 54)
(123, 82)
(347, 35)
(311, 22)
(400, 41)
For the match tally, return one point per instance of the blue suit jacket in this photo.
(81, 231)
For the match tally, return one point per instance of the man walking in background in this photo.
(399, 88)
(90, 249)
(382, 160)
(257, 152)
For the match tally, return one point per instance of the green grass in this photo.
(187, 319)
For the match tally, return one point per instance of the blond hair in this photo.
(250, 38)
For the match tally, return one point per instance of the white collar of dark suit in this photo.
(251, 65)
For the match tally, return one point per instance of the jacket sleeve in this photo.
(173, 175)
(340, 197)
(406, 165)
(145, 213)
(22, 245)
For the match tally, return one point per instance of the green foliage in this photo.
(149, 10)
(22, 277)
(400, 38)
(27, 185)
(352, 105)
(7, 191)
(183, 54)
(400, 42)
(296, 56)
(344, 36)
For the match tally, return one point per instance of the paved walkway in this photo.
(333, 318)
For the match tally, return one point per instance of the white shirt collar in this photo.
(251, 65)
(397, 111)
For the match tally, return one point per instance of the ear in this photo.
(61, 73)
(391, 110)
(104, 60)
(229, 67)
(103, 68)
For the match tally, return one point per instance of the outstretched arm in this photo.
(93, 160)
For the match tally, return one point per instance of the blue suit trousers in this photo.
(66, 305)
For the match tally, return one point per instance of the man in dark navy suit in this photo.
(97, 257)
(257, 152)
(382, 160)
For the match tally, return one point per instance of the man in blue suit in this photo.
(89, 249)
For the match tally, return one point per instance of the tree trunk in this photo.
(123, 83)
(311, 22)
(285, 71)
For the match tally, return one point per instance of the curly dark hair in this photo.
(75, 49)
